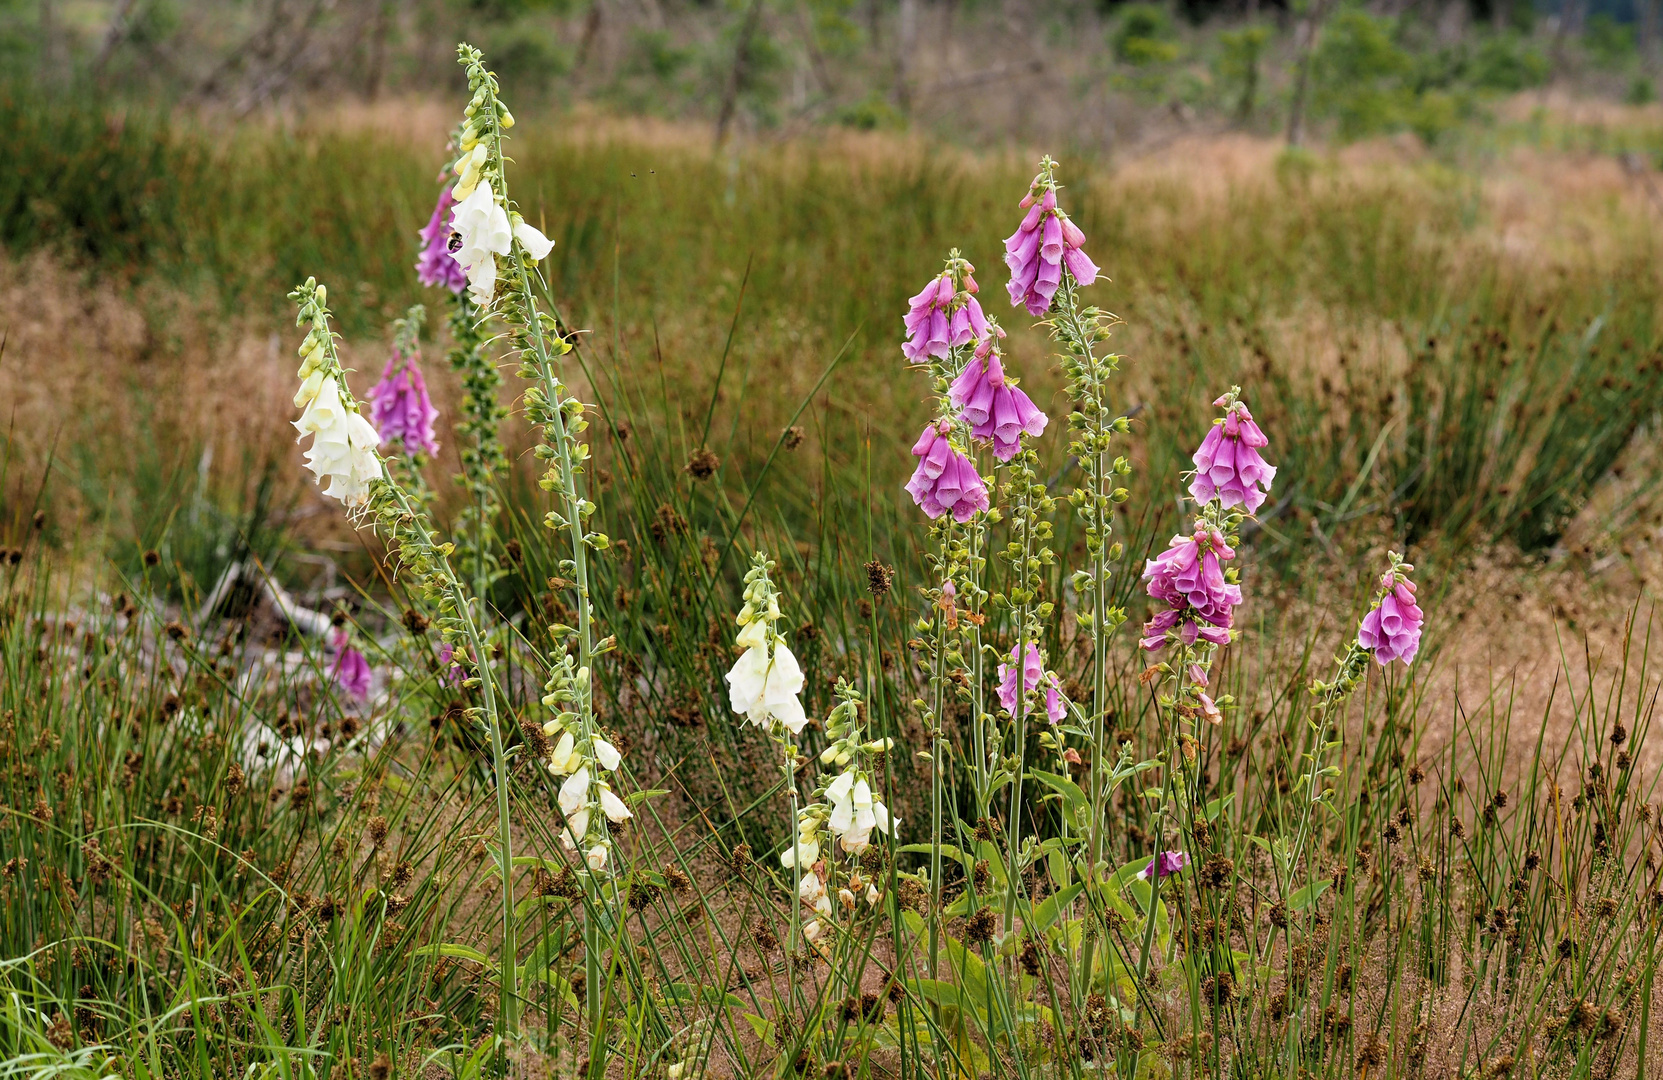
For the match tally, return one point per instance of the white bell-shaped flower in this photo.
(576, 828)
(765, 688)
(481, 233)
(574, 793)
(596, 857)
(612, 806)
(806, 852)
(343, 445)
(841, 794)
(753, 635)
(535, 243)
(563, 758)
(607, 755)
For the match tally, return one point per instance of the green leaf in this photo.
(636, 798)
(995, 861)
(764, 1028)
(682, 993)
(948, 851)
(1068, 789)
(458, 952)
(1055, 904)
(1217, 806)
(1307, 896)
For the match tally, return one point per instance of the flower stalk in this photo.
(492, 240)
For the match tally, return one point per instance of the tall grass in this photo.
(1434, 333)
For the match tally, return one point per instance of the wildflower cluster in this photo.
(995, 407)
(1195, 593)
(1228, 467)
(584, 760)
(1391, 629)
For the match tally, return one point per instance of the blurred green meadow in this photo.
(1379, 313)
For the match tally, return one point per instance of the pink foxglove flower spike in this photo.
(1189, 577)
(994, 406)
(401, 409)
(435, 266)
(944, 315)
(1043, 245)
(1391, 630)
(945, 481)
(351, 670)
(1227, 465)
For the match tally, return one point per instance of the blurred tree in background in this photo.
(1088, 74)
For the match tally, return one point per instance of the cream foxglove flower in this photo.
(855, 812)
(596, 857)
(309, 390)
(607, 755)
(467, 171)
(481, 233)
(577, 827)
(613, 807)
(343, 444)
(765, 688)
(807, 852)
(574, 793)
(813, 930)
(532, 239)
(753, 636)
(563, 759)
(872, 895)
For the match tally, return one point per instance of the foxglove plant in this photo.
(948, 488)
(496, 245)
(1048, 264)
(1195, 595)
(1028, 508)
(415, 552)
(763, 685)
(849, 809)
(399, 404)
(1390, 631)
